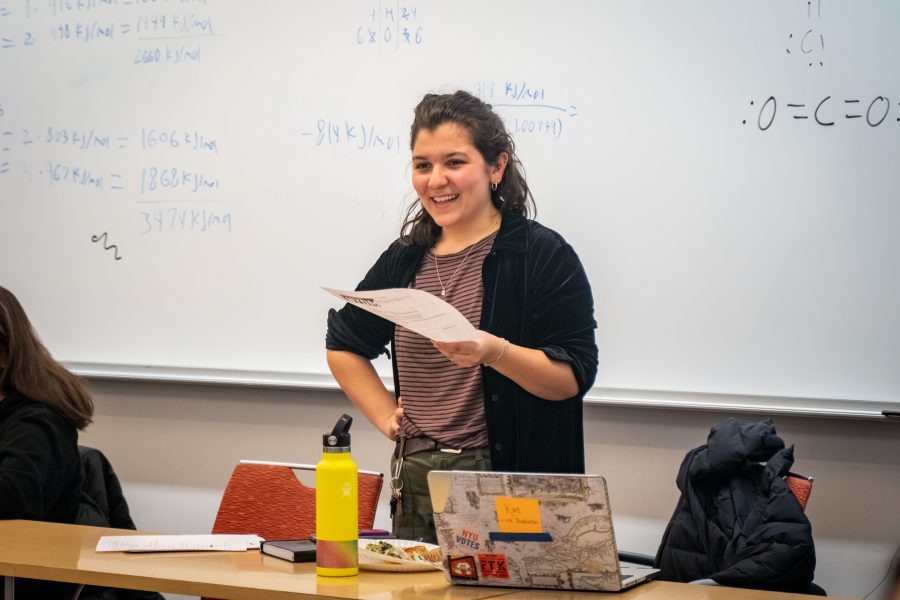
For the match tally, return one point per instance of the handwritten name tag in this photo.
(518, 515)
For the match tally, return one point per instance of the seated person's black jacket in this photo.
(46, 476)
(40, 470)
(737, 522)
(40, 475)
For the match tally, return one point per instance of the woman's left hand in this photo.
(485, 347)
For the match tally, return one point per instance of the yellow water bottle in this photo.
(337, 505)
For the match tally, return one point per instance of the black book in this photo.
(292, 550)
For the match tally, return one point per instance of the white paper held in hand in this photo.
(177, 543)
(417, 310)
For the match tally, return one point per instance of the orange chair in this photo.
(801, 486)
(266, 498)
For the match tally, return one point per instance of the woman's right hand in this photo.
(392, 425)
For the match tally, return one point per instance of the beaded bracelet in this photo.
(503, 352)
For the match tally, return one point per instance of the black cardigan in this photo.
(537, 295)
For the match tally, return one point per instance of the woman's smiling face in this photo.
(452, 179)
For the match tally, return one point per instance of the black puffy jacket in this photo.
(103, 505)
(737, 522)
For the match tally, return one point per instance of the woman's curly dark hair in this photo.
(490, 138)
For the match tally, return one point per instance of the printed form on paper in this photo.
(417, 310)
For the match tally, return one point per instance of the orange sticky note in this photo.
(518, 515)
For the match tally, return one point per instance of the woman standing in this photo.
(510, 400)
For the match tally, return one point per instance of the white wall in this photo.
(174, 446)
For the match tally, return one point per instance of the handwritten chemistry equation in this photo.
(81, 172)
(93, 22)
(166, 177)
(525, 109)
(826, 112)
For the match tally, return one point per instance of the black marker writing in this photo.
(103, 237)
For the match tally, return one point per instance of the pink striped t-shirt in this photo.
(440, 399)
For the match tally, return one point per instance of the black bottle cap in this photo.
(340, 435)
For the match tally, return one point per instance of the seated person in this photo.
(42, 407)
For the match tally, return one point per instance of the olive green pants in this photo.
(415, 520)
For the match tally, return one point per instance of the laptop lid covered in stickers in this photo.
(528, 530)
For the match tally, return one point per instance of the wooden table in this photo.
(66, 553)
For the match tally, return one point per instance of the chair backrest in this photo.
(801, 485)
(269, 500)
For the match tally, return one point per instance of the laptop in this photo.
(528, 530)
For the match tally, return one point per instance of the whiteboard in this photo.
(179, 177)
